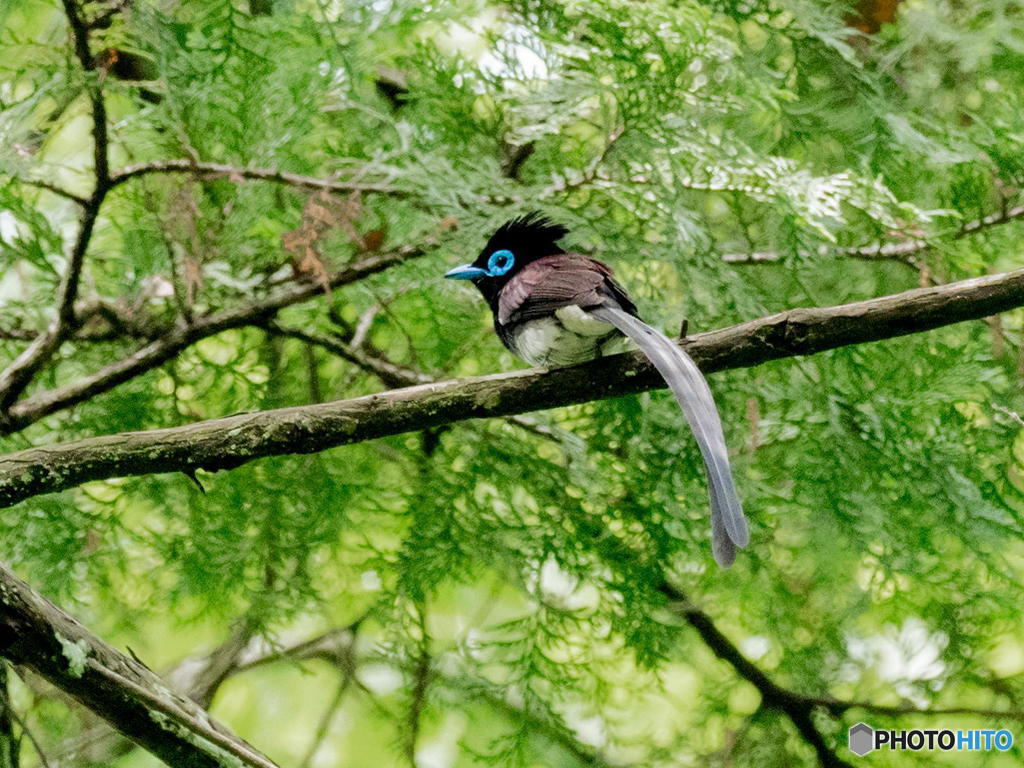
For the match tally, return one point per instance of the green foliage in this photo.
(885, 483)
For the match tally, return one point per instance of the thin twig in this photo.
(80, 33)
(903, 251)
(27, 732)
(564, 184)
(1012, 414)
(103, 19)
(347, 662)
(325, 721)
(325, 646)
(838, 706)
(316, 394)
(55, 189)
(391, 374)
(17, 334)
(420, 684)
(207, 170)
(9, 744)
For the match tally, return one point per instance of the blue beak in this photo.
(465, 272)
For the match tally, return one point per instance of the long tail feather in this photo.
(728, 525)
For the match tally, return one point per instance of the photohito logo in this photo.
(865, 739)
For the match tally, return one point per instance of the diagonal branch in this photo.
(37, 634)
(798, 708)
(234, 440)
(96, 321)
(390, 373)
(200, 677)
(17, 376)
(55, 189)
(162, 349)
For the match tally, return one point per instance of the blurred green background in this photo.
(489, 592)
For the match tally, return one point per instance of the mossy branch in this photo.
(35, 633)
(234, 440)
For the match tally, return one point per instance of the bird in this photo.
(554, 308)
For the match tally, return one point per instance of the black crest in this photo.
(533, 234)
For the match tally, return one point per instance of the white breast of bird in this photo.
(570, 336)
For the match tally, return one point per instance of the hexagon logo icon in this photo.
(862, 739)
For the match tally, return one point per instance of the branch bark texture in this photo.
(235, 440)
(37, 634)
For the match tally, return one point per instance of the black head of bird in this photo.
(554, 308)
(515, 244)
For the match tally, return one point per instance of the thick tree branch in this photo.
(229, 442)
(36, 634)
(158, 351)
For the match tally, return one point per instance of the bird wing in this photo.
(553, 282)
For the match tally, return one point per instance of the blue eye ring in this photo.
(501, 262)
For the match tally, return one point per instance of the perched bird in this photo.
(554, 308)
